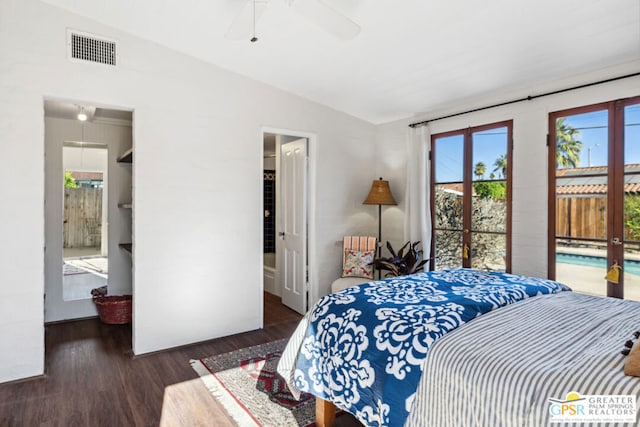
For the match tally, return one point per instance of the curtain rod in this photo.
(527, 98)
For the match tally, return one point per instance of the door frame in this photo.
(551, 176)
(312, 269)
(61, 310)
(467, 181)
(615, 177)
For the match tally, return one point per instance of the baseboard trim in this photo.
(56, 322)
(24, 380)
(184, 346)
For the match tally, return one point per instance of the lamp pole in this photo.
(380, 194)
(379, 248)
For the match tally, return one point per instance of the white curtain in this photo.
(417, 216)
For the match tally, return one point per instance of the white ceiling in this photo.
(411, 56)
(70, 110)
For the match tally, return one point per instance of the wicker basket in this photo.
(114, 310)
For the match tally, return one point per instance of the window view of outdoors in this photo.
(631, 208)
(489, 200)
(482, 243)
(584, 197)
(448, 196)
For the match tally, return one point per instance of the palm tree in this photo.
(568, 146)
(480, 170)
(501, 165)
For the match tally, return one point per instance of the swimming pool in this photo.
(631, 267)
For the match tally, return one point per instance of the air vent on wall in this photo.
(87, 47)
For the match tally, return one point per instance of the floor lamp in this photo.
(380, 194)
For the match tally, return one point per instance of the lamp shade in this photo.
(380, 194)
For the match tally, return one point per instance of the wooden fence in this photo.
(82, 217)
(583, 217)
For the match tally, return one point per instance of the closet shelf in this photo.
(126, 157)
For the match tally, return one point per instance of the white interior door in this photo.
(293, 223)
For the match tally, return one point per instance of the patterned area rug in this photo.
(246, 383)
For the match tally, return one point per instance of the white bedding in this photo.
(502, 368)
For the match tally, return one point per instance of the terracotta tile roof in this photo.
(592, 170)
(632, 187)
(581, 181)
(581, 171)
(455, 188)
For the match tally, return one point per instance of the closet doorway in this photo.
(88, 206)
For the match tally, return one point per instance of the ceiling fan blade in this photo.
(242, 26)
(327, 18)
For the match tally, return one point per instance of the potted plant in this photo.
(401, 263)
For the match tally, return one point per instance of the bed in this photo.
(460, 347)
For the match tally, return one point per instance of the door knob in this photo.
(616, 241)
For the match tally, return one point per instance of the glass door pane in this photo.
(448, 155)
(582, 201)
(631, 267)
(449, 249)
(489, 199)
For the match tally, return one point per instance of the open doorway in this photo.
(88, 206)
(270, 214)
(286, 220)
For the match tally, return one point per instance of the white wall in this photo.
(197, 182)
(85, 159)
(530, 123)
(117, 137)
(269, 163)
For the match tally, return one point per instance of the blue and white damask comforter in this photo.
(364, 348)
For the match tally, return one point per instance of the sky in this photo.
(491, 144)
(593, 134)
(488, 146)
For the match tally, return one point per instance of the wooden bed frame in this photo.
(325, 413)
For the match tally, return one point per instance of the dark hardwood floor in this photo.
(92, 380)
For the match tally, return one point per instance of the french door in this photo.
(471, 197)
(594, 206)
